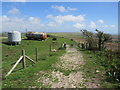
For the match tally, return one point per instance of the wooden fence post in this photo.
(83, 46)
(50, 48)
(86, 45)
(61, 45)
(36, 54)
(23, 54)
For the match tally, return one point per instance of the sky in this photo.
(60, 16)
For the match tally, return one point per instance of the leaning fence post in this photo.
(22, 58)
(23, 54)
(36, 54)
(14, 66)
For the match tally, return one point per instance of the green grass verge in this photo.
(24, 78)
(94, 70)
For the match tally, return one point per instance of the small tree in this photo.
(102, 38)
(89, 38)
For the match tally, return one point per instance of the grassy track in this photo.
(24, 78)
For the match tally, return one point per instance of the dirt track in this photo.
(71, 61)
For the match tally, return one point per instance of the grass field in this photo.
(24, 78)
(76, 36)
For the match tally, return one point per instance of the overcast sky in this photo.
(60, 16)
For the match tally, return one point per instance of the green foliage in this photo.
(102, 38)
(112, 63)
(108, 59)
(87, 33)
(89, 39)
(96, 40)
(108, 65)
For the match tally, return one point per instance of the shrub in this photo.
(54, 38)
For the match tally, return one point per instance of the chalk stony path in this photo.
(70, 62)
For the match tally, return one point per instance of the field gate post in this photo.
(36, 54)
(23, 54)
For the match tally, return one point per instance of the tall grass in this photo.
(107, 62)
(110, 60)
